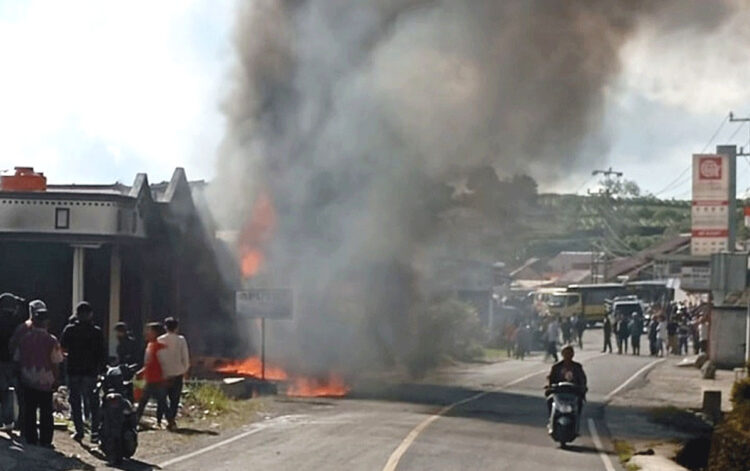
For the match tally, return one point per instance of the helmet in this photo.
(37, 309)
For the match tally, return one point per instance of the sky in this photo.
(95, 91)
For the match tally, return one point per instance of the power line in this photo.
(674, 182)
(591, 178)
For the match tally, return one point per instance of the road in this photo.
(478, 418)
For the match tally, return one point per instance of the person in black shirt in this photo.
(127, 349)
(607, 334)
(567, 371)
(84, 344)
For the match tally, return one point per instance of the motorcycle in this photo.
(119, 424)
(565, 412)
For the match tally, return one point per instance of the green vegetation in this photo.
(207, 398)
(447, 328)
(730, 447)
(624, 452)
(495, 354)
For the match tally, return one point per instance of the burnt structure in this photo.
(137, 253)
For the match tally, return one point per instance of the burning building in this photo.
(137, 253)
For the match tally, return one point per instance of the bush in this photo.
(730, 447)
(446, 328)
(207, 398)
(741, 392)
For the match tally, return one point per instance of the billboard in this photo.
(710, 208)
(264, 303)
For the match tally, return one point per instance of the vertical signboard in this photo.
(710, 209)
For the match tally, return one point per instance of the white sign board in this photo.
(264, 303)
(710, 209)
(695, 278)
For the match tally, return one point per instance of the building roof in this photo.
(629, 266)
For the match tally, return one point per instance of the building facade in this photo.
(137, 253)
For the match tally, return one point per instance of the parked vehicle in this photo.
(565, 412)
(119, 424)
(626, 306)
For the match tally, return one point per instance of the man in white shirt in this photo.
(175, 363)
(703, 335)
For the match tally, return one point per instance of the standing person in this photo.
(152, 370)
(703, 335)
(127, 349)
(662, 336)
(694, 322)
(580, 328)
(10, 318)
(39, 356)
(607, 334)
(83, 342)
(566, 326)
(552, 337)
(683, 332)
(523, 338)
(636, 330)
(175, 364)
(623, 334)
(672, 327)
(21, 330)
(510, 338)
(652, 326)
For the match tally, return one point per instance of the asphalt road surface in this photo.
(487, 417)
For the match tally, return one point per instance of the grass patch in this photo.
(495, 354)
(624, 451)
(208, 398)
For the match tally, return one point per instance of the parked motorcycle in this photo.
(119, 424)
(565, 412)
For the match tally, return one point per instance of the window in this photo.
(62, 218)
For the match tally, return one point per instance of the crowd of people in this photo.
(674, 330)
(34, 363)
(671, 332)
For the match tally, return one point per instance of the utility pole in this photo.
(609, 171)
(731, 152)
(607, 174)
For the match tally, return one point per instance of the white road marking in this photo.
(407, 442)
(627, 382)
(599, 447)
(256, 428)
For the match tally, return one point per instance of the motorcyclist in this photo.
(566, 371)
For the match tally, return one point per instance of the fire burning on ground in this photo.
(255, 235)
(299, 386)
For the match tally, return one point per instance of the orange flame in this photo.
(255, 234)
(334, 385)
(252, 367)
(298, 386)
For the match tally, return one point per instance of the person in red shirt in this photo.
(153, 374)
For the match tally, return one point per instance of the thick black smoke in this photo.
(352, 114)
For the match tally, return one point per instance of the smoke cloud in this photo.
(350, 114)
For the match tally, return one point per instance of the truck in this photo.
(589, 301)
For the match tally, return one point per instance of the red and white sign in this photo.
(710, 211)
(747, 216)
